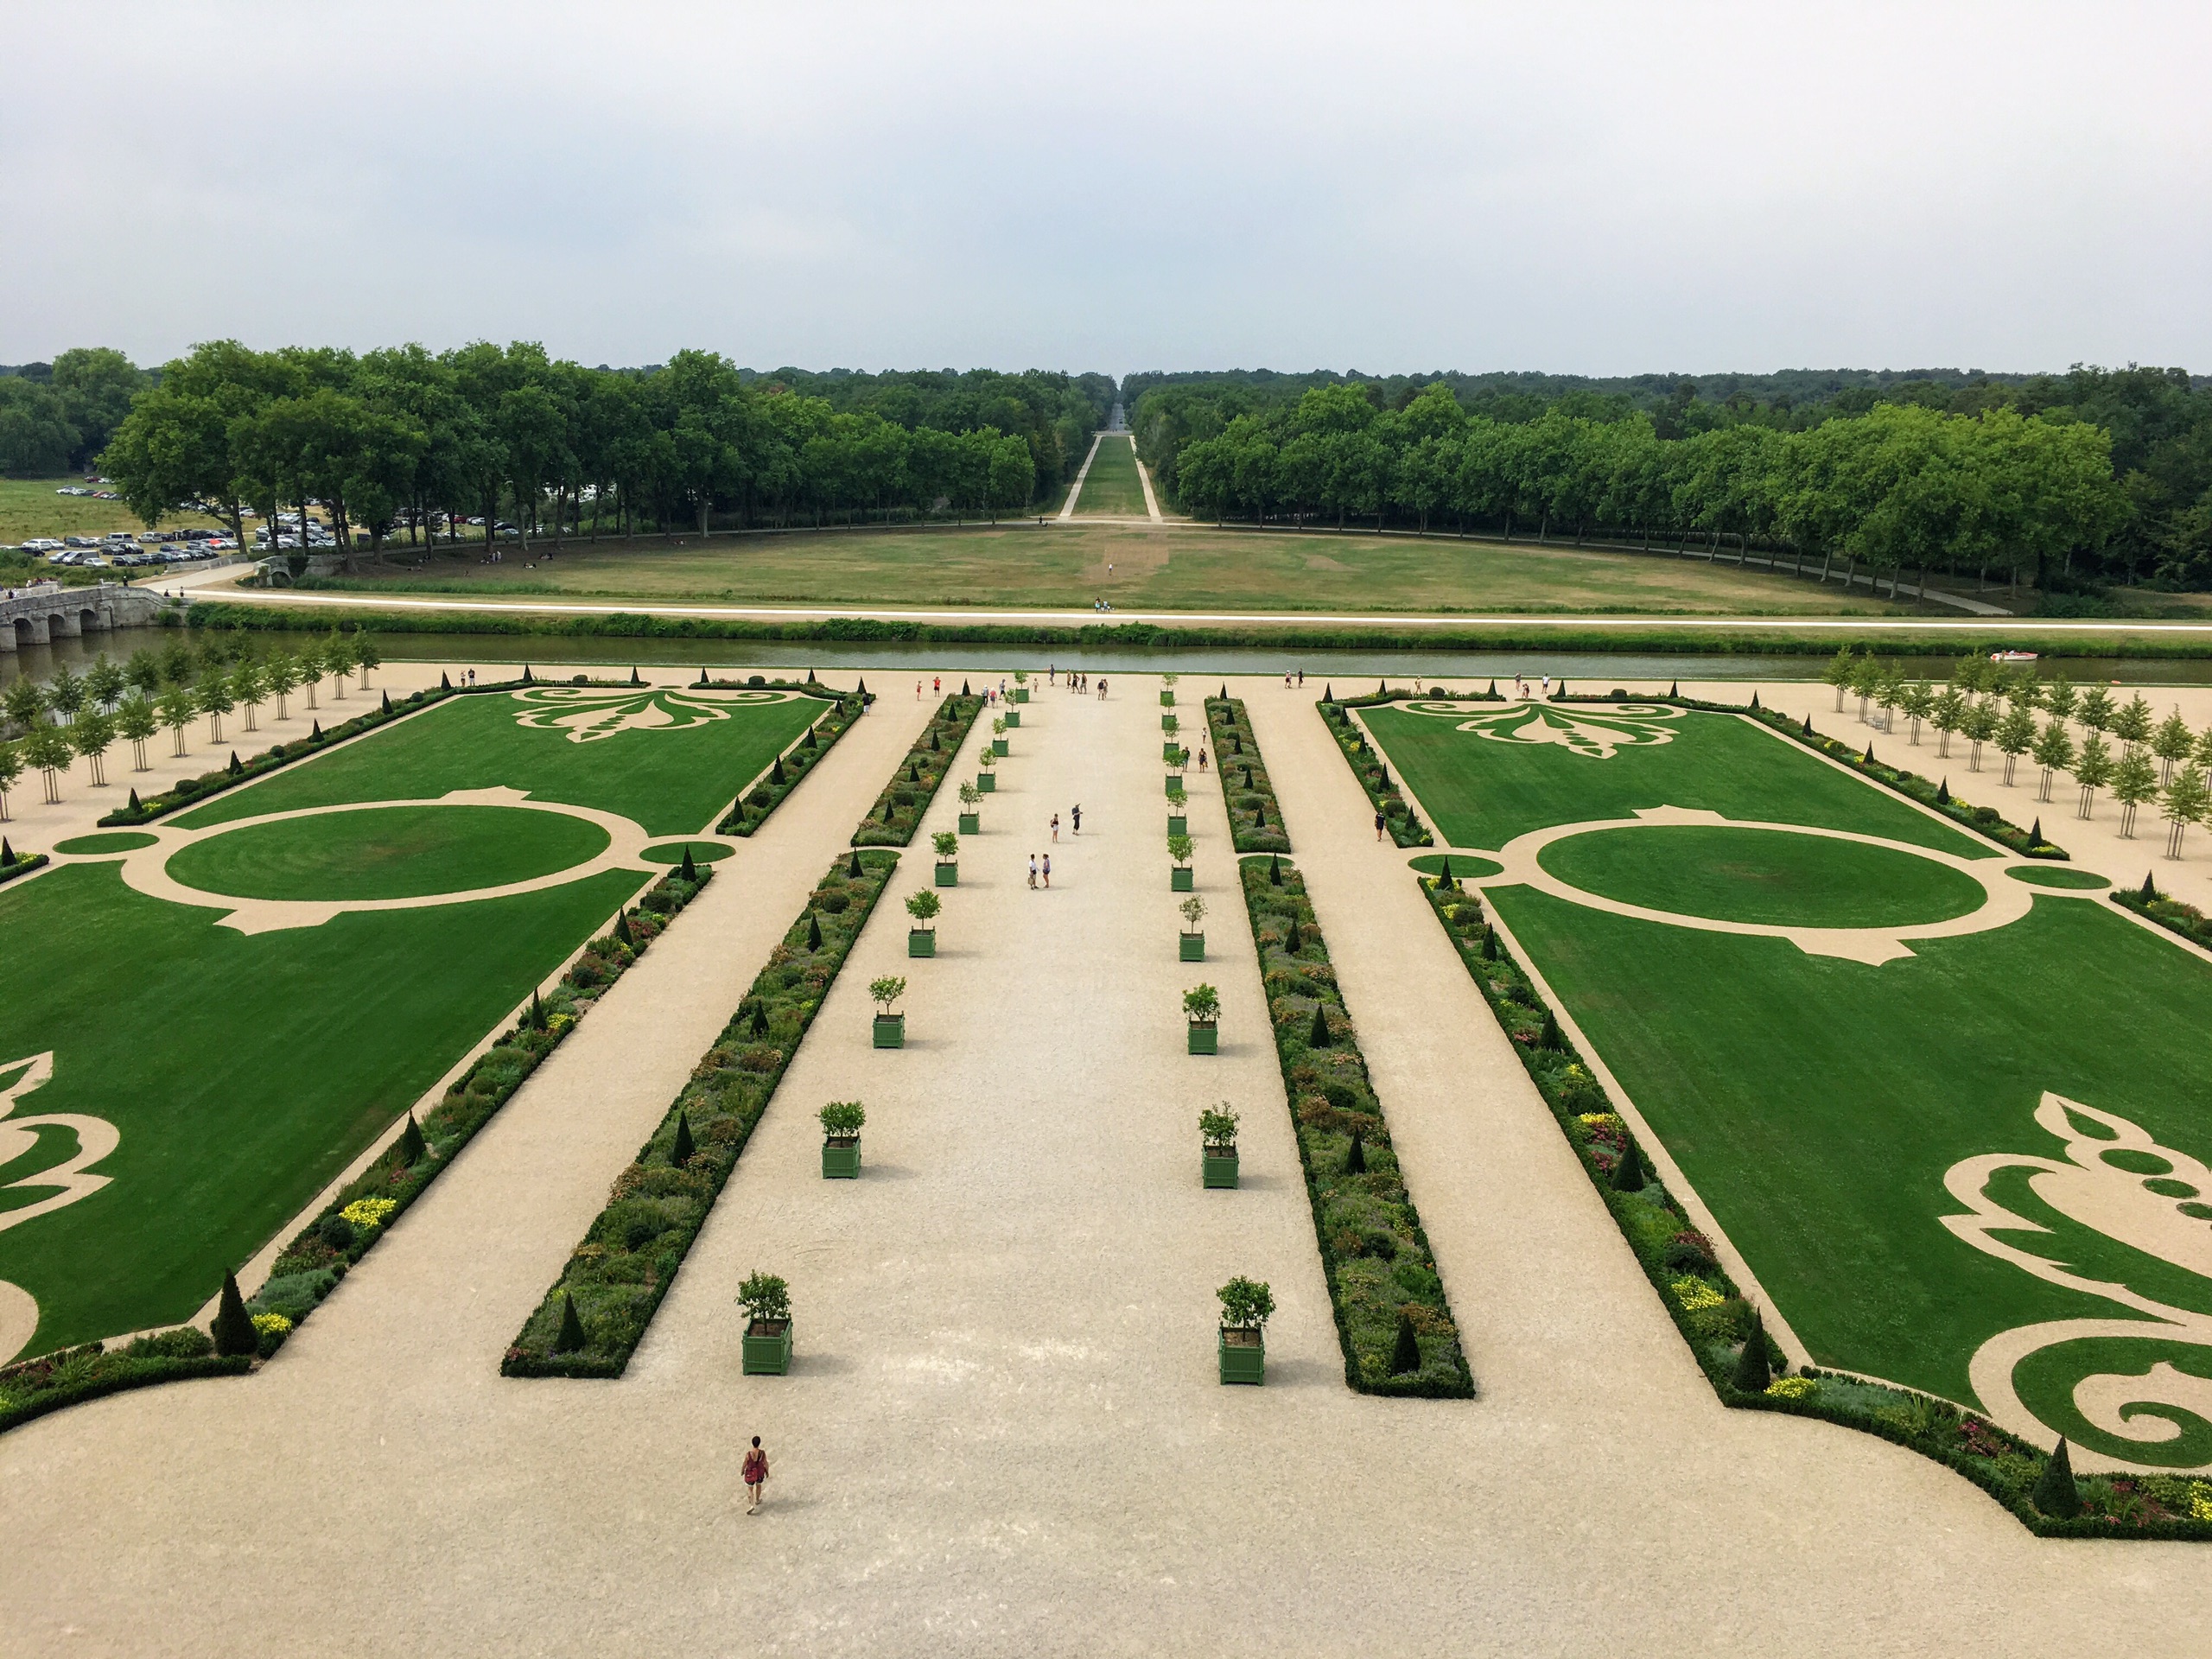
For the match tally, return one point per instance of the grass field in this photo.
(30, 508)
(242, 1072)
(1170, 567)
(1817, 1105)
(1112, 487)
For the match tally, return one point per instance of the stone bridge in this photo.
(47, 611)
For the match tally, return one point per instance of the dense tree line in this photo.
(57, 416)
(2099, 474)
(404, 440)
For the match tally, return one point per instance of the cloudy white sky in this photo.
(1591, 188)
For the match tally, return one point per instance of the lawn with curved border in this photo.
(2057, 876)
(388, 852)
(1769, 877)
(115, 840)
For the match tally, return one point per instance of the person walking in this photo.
(917, 691)
(1033, 871)
(937, 685)
(756, 1477)
(1102, 688)
(1202, 757)
(1056, 826)
(1048, 872)
(1378, 826)
(1075, 817)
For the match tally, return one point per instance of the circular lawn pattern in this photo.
(1766, 877)
(387, 852)
(671, 852)
(1465, 866)
(2058, 876)
(115, 840)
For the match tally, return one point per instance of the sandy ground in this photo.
(1003, 1435)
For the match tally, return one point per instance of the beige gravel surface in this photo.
(1001, 1436)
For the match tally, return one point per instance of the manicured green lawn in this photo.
(1112, 487)
(389, 852)
(672, 780)
(1766, 876)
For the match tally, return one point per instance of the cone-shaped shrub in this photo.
(1406, 1355)
(808, 740)
(1674, 690)
(2056, 1494)
(134, 807)
(1381, 689)
(1328, 694)
(445, 682)
(1755, 703)
(913, 771)
(813, 931)
(1489, 944)
(760, 1019)
(387, 703)
(1292, 942)
(234, 1329)
(634, 677)
(570, 1338)
(1355, 1159)
(1274, 871)
(775, 772)
(689, 871)
(680, 1151)
(1752, 1372)
(1444, 875)
(1493, 691)
(1550, 1039)
(622, 929)
(235, 768)
(412, 1144)
(2150, 889)
(7, 852)
(934, 749)
(526, 678)
(853, 869)
(2035, 833)
(1260, 816)
(537, 1012)
(963, 688)
(1318, 1037)
(315, 736)
(1223, 694)
(1628, 1173)
(860, 689)
(1867, 759)
(1943, 793)
(702, 680)
(1809, 725)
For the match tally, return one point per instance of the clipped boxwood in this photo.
(2175, 915)
(623, 1265)
(1374, 775)
(750, 808)
(899, 811)
(1380, 1269)
(1255, 819)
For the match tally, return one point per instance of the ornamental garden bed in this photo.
(1255, 818)
(1374, 774)
(622, 1267)
(899, 809)
(750, 808)
(1381, 1275)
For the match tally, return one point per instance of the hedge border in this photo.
(951, 729)
(713, 1162)
(799, 758)
(1246, 839)
(125, 1373)
(1382, 791)
(23, 865)
(2011, 1489)
(1289, 1016)
(2178, 916)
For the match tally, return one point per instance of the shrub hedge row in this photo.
(897, 811)
(2175, 915)
(23, 864)
(751, 810)
(629, 1256)
(75, 1375)
(1715, 1321)
(1406, 829)
(1255, 818)
(1380, 1269)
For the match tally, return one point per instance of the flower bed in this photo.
(628, 1256)
(1715, 1319)
(1255, 819)
(897, 811)
(750, 808)
(1374, 776)
(75, 1375)
(1380, 1270)
(2171, 913)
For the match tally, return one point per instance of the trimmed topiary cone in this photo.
(1867, 759)
(1943, 793)
(315, 736)
(134, 807)
(233, 1328)
(853, 869)
(1328, 694)
(412, 1147)
(7, 852)
(759, 1017)
(1406, 1355)
(813, 931)
(1809, 725)
(1755, 703)
(235, 768)
(622, 928)
(1489, 944)
(1258, 815)
(387, 703)
(2056, 1494)
(1355, 1159)
(2035, 833)
(1550, 1037)
(1318, 1037)
(775, 772)
(2150, 888)
(570, 1337)
(1292, 942)
(635, 678)
(1628, 1173)
(689, 870)
(680, 1151)
(445, 682)
(1752, 1372)
(1274, 871)
(1444, 875)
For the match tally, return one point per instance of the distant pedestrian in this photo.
(937, 685)
(1202, 757)
(1301, 678)
(917, 691)
(756, 1477)
(1286, 682)
(1378, 826)
(1048, 872)
(1102, 688)
(1056, 826)
(1032, 870)
(1075, 817)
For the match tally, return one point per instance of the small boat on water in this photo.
(2013, 656)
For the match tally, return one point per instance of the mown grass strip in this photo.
(1714, 1318)
(1254, 816)
(1381, 1272)
(628, 1258)
(906, 800)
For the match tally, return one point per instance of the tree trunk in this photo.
(1827, 557)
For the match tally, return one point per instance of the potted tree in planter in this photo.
(986, 780)
(1217, 1135)
(1178, 822)
(1202, 1008)
(1180, 759)
(890, 1028)
(998, 737)
(948, 852)
(1246, 1307)
(1169, 725)
(1182, 877)
(1013, 717)
(921, 938)
(1021, 685)
(1193, 942)
(841, 1139)
(1167, 690)
(767, 1301)
(971, 821)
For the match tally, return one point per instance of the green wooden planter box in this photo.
(998, 747)
(1013, 717)
(769, 1348)
(1167, 699)
(1244, 1359)
(1170, 723)
(1175, 784)
(987, 782)
(971, 824)
(1021, 693)
(841, 1161)
(948, 874)
(1218, 1166)
(1178, 824)
(1168, 750)
(1193, 947)
(1204, 1040)
(891, 1030)
(1181, 878)
(921, 941)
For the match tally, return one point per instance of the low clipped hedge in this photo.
(23, 865)
(1254, 816)
(76, 1375)
(1374, 774)
(1715, 1319)
(623, 1266)
(765, 793)
(897, 811)
(2175, 915)
(1376, 1257)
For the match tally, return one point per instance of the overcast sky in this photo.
(1594, 189)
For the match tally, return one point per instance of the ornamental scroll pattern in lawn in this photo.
(1381, 1272)
(1933, 1181)
(625, 1261)
(1255, 818)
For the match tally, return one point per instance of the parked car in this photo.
(42, 545)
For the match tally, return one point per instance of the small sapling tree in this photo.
(842, 1120)
(1217, 1127)
(1246, 1304)
(765, 1297)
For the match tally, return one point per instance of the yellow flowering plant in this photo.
(369, 1212)
(1695, 1293)
(1792, 1388)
